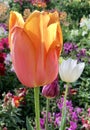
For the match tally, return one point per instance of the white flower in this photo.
(8, 59)
(2, 31)
(84, 33)
(85, 22)
(70, 71)
(74, 32)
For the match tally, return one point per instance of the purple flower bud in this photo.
(51, 90)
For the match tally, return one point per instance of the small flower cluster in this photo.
(8, 63)
(3, 11)
(3, 47)
(72, 114)
(14, 100)
(85, 22)
(73, 50)
(85, 25)
(39, 3)
(55, 118)
(21, 1)
(3, 31)
(69, 47)
(86, 120)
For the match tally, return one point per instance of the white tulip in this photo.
(70, 71)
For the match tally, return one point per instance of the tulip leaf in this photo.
(28, 124)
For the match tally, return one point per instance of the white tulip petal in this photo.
(70, 71)
(64, 70)
(77, 71)
(72, 65)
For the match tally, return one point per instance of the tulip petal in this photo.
(77, 71)
(54, 36)
(54, 17)
(51, 35)
(36, 24)
(15, 20)
(52, 65)
(64, 70)
(23, 57)
(47, 68)
(70, 71)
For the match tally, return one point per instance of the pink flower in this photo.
(4, 43)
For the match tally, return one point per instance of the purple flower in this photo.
(55, 118)
(78, 110)
(57, 121)
(3, 25)
(81, 53)
(74, 116)
(69, 47)
(73, 125)
(42, 123)
(60, 103)
(49, 116)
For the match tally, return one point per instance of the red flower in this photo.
(16, 101)
(86, 123)
(1, 58)
(2, 65)
(73, 91)
(2, 69)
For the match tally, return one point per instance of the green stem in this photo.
(37, 108)
(63, 120)
(47, 110)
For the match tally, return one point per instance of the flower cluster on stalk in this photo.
(72, 50)
(3, 48)
(14, 100)
(73, 114)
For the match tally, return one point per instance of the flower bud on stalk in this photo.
(51, 90)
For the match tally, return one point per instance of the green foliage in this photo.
(10, 117)
(28, 124)
(77, 9)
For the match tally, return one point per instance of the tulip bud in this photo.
(51, 90)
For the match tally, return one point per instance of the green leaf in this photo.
(28, 124)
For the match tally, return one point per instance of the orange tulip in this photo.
(35, 47)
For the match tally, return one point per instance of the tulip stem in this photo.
(63, 119)
(47, 110)
(37, 108)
